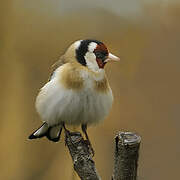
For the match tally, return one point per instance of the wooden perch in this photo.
(81, 156)
(126, 156)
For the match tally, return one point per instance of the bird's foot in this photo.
(72, 137)
(90, 148)
(84, 129)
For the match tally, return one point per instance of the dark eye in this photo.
(100, 55)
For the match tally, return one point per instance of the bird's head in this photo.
(92, 53)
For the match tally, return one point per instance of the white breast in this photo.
(57, 104)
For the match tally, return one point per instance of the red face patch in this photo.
(100, 63)
(101, 53)
(102, 48)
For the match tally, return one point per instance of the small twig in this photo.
(126, 156)
(81, 156)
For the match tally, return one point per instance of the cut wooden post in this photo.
(126, 156)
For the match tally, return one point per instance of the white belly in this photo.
(55, 104)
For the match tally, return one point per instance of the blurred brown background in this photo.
(145, 34)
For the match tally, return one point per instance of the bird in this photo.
(77, 92)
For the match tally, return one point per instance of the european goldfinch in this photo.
(78, 92)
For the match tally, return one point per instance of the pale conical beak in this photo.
(112, 57)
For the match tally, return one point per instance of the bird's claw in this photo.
(90, 148)
(69, 135)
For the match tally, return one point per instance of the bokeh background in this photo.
(144, 33)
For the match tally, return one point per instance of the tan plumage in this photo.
(71, 77)
(102, 86)
(69, 56)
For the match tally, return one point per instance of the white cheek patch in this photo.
(92, 46)
(91, 61)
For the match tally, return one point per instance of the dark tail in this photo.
(52, 133)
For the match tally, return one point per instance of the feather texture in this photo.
(62, 101)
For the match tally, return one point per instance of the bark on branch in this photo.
(81, 156)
